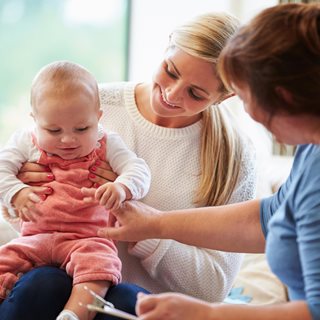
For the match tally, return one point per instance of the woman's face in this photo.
(287, 128)
(183, 86)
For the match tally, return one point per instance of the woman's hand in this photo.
(135, 221)
(101, 172)
(34, 174)
(172, 306)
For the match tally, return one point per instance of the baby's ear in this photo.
(32, 115)
(100, 113)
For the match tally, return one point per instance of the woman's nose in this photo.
(174, 93)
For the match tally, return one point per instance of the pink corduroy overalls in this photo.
(65, 234)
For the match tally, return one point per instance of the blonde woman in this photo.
(196, 155)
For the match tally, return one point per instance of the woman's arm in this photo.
(233, 228)
(173, 306)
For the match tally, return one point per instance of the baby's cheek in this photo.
(44, 142)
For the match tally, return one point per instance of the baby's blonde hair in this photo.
(62, 78)
(221, 147)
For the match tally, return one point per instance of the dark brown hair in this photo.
(279, 48)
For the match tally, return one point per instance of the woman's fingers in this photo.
(147, 307)
(114, 233)
(34, 197)
(112, 220)
(145, 303)
(136, 220)
(29, 212)
(33, 167)
(40, 193)
(103, 165)
(32, 177)
(24, 215)
(34, 173)
(171, 306)
(88, 194)
(102, 177)
(101, 172)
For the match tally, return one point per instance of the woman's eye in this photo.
(195, 96)
(171, 74)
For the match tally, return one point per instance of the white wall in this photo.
(153, 20)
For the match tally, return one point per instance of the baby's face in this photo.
(67, 126)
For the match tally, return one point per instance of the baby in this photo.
(62, 229)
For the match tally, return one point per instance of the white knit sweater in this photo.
(173, 157)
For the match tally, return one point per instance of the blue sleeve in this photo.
(270, 205)
(306, 202)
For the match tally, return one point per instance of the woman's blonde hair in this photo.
(221, 148)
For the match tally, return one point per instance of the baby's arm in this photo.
(132, 176)
(132, 171)
(13, 192)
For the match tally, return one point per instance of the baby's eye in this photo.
(53, 130)
(82, 129)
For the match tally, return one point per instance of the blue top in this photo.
(290, 220)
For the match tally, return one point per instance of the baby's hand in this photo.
(111, 195)
(24, 202)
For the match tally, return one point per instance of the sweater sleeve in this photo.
(205, 274)
(132, 171)
(16, 152)
(202, 273)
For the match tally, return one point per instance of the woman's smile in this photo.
(166, 103)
